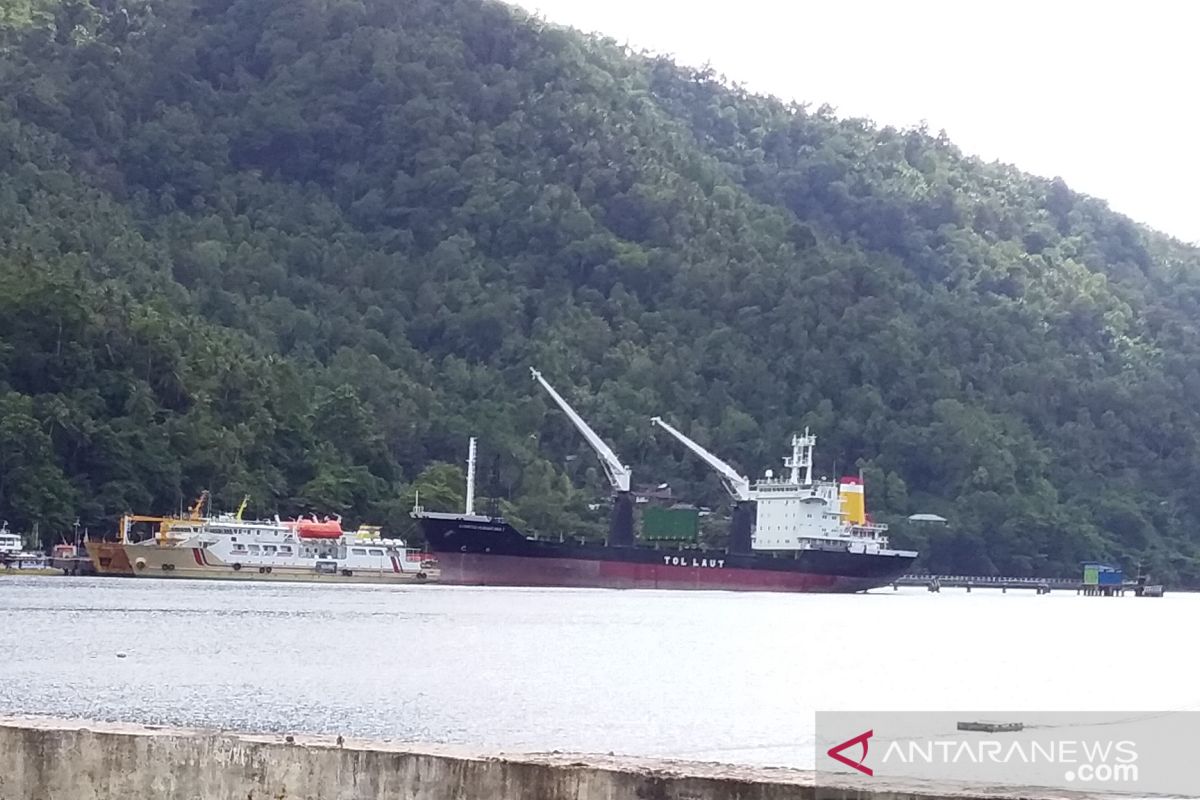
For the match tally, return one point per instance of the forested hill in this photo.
(301, 249)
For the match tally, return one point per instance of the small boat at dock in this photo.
(15, 558)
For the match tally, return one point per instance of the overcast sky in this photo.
(1104, 95)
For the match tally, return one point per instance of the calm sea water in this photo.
(707, 675)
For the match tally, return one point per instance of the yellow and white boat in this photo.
(229, 547)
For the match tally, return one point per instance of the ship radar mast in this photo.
(618, 474)
(620, 528)
(737, 485)
(801, 458)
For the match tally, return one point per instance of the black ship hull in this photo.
(483, 551)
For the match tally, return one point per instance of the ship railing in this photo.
(867, 528)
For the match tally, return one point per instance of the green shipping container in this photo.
(670, 524)
(1091, 576)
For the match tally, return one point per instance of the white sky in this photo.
(1103, 94)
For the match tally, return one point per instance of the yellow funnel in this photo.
(854, 501)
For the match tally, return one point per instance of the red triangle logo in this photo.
(835, 752)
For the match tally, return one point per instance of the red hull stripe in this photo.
(500, 570)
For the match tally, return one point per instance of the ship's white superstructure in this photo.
(797, 512)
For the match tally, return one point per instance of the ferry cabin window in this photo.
(253, 548)
(285, 549)
(239, 548)
(359, 551)
(268, 548)
(376, 552)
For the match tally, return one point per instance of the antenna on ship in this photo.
(801, 458)
(621, 525)
(735, 483)
(469, 509)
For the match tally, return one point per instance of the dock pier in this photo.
(935, 583)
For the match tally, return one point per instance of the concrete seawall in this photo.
(51, 759)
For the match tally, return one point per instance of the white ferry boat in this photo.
(226, 546)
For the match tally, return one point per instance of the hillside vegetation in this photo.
(301, 249)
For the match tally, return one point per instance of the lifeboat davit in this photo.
(312, 529)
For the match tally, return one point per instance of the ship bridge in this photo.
(796, 512)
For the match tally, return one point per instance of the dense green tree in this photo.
(302, 250)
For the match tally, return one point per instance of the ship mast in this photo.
(801, 458)
(619, 475)
(469, 509)
(736, 484)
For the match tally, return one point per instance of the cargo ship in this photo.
(791, 533)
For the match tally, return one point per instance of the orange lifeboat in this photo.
(312, 529)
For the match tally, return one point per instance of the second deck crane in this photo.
(620, 531)
(742, 520)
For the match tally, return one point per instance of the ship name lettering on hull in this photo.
(693, 561)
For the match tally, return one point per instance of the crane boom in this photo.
(618, 474)
(735, 484)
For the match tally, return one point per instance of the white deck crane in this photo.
(621, 523)
(736, 484)
(741, 522)
(618, 474)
